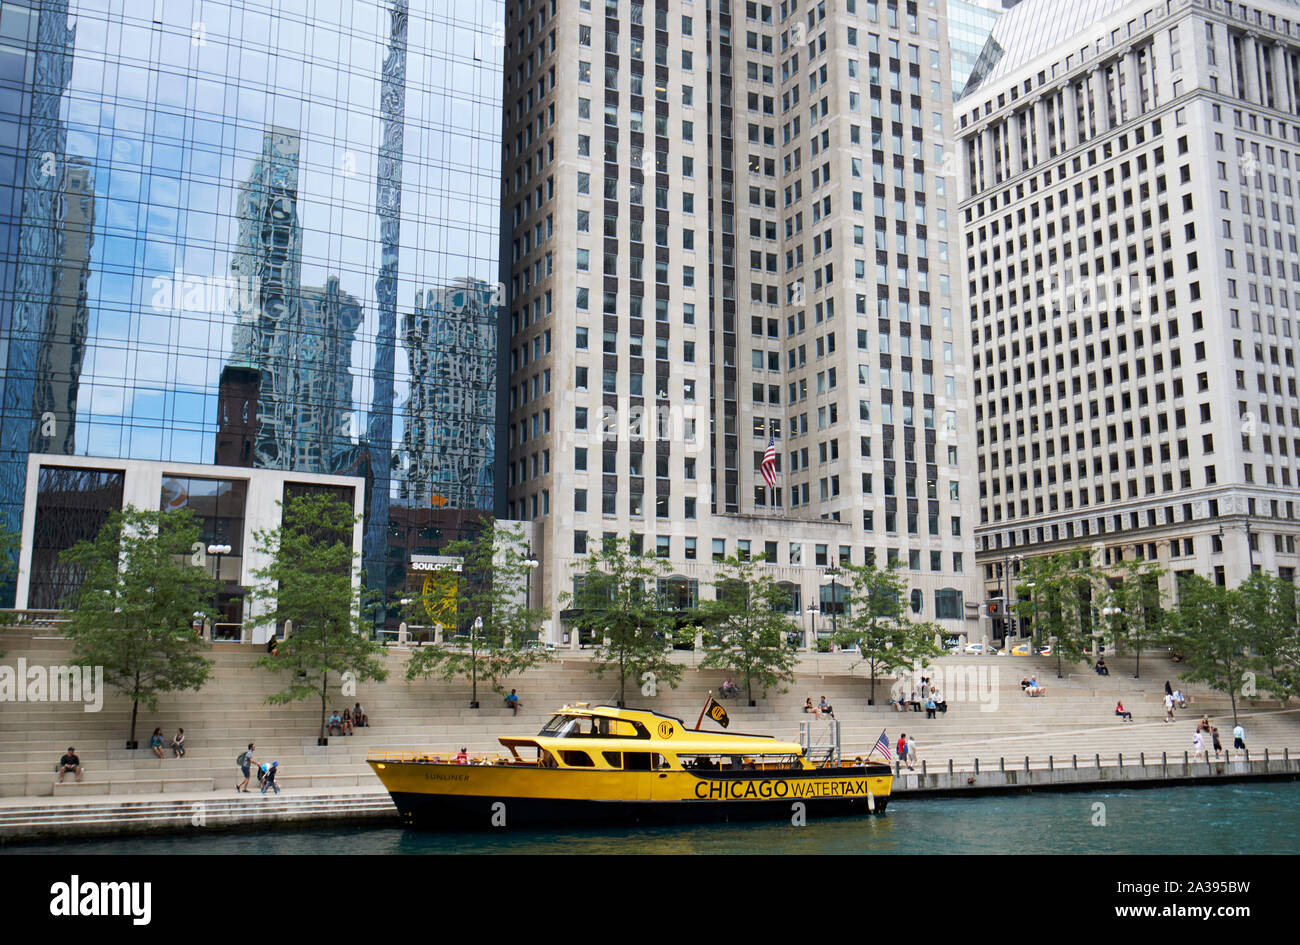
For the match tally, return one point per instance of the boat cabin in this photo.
(614, 739)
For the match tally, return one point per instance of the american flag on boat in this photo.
(768, 466)
(882, 746)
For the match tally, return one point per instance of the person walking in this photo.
(1198, 744)
(1239, 737)
(902, 750)
(245, 762)
(911, 753)
(1169, 707)
(1218, 745)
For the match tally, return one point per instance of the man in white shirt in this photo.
(1169, 707)
(1238, 737)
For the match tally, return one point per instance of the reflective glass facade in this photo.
(262, 234)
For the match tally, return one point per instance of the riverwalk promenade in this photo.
(1070, 736)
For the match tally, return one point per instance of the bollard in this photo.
(1265, 757)
(1286, 755)
(1184, 756)
(1002, 765)
(977, 766)
(1164, 759)
(1098, 758)
(1051, 764)
(1074, 762)
(1246, 753)
(1026, 763)
(1121, 759)
(1142, 758)
(950, 767)
(923, 769)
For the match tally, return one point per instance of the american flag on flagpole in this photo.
(768, 466)
(882, 747)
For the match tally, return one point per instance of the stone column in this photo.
(1072, 136)
(1250, 68)
(1040, 130)
(1132, 84)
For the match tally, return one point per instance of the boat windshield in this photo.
(562, 726)
(575, 726)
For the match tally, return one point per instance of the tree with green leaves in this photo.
(878, 625)
(617, 602)
(496, 628)
(311, 584)
(1055, 593)
(1267, 605)
(134, 612)
(1131, 607)
(1213, 631)
(745, 626)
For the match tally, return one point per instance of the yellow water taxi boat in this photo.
(604, 764)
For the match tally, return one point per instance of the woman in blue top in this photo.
(156, 742)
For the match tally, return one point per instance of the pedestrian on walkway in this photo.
(1198, 744)
(1218, 745)
(902, 750)
(1169, 707)
(1239, 737)
(245, 762)
(911, 753)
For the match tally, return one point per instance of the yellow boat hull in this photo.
(473, 797)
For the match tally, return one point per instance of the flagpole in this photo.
(707, 702)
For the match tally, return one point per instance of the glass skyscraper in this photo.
(260, 234)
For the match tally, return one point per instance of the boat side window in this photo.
(642, 761)
(577, 759)
(699, 762)
(613, 758)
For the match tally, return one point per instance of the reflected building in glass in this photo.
(222, 228)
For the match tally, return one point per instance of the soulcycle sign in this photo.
(434, 563)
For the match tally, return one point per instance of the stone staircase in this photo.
(991, 719)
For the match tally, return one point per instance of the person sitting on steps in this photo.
(1120, 711)
(69, 762)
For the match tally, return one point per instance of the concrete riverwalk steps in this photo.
(989, 717)
(54, 818)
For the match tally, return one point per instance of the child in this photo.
(267, 776)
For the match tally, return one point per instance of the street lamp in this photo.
(531, 563)
(832, 574)
(473, 648)
(218, 552)
(812, 615)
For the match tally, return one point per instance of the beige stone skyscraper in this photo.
(1129, 172)
(733, 226)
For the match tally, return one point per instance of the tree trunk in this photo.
(135, 705)
(324, 692)
(872, 701)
